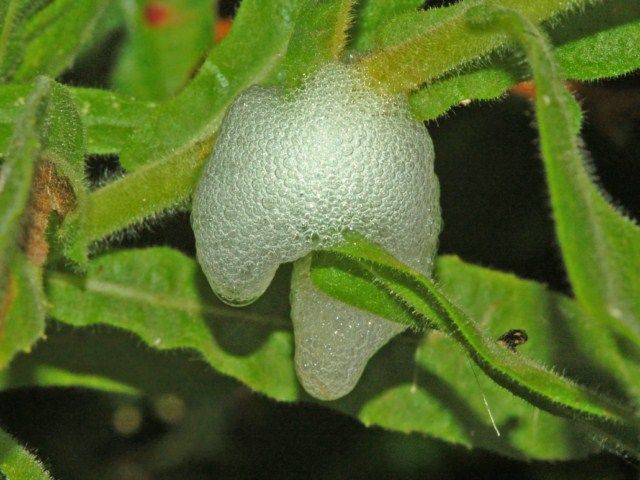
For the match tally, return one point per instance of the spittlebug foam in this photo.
(289, 174)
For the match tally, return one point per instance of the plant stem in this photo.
(435, 48)
(148, 191)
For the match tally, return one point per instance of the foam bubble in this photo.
(291, 174)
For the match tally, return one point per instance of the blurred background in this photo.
(496, 214)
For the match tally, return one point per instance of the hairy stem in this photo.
(148, 191)
(432, 49)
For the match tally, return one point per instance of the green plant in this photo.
(59, 257)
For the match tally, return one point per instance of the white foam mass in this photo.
(290, 174)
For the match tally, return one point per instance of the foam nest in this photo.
(291, 173)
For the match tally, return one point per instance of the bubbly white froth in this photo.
(289, 175)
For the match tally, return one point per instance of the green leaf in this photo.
(586, 223)
(165, 43)
(430, 385)
(17, 463)
(109, 118)
(471, 83)
(18, 171)
(14, 14)
(521, 375)
(55, 36)
(419, 384)
(431, 43)
(21, 300)
(160, 295)
(22, 309)
(319, 36)
(248, 54)
(64, 148)
(29, 373)
(60, 181)
(408, 24)
(110, 24)
(600, 41)
(584, 46)
(43, 172)
(110, 361)
(371, 15)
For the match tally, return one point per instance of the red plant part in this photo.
(157, 14)
(222, 27)
(527, 89)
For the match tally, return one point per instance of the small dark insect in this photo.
(513, 338)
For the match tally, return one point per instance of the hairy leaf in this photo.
(21, 300)
(415, 384)
(319, 36)
(22, 309)
(55, 36)
(165, 43)
(17, 463)
(372, 15)
(59, 183)
(585, 48)
(254, 46)
(430, 308)
(14, 14)
(160, 295)
(17, 172)
(471, 83)
(64, 148)
(43, 173)
(184, 392)
(607, 284)
(109, 118)
(145, 193)
(599, 42)
(431, 43)
(25, 372)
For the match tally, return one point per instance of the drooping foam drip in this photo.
(333, 341)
